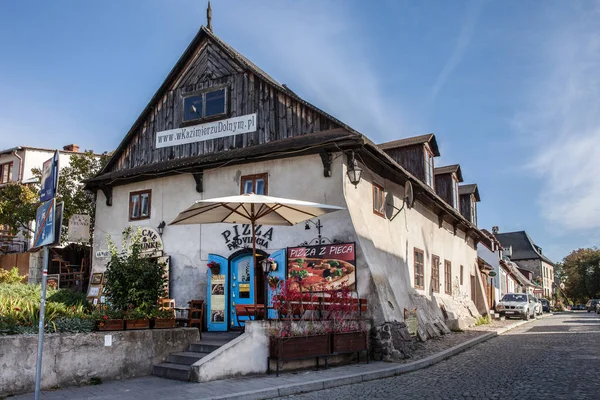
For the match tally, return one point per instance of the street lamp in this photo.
(354, 171)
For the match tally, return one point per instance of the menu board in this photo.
(322, 267)
(217, 299)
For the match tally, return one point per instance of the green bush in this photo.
(133, 281)
(482, 320)
(69, 297)
(11, 276)
(71, 325)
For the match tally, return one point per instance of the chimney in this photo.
(71, 147)
(495, 229)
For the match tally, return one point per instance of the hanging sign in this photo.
(79, 228)
(207, 131)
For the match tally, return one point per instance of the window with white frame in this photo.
(139, 204)
(6, 172)
(429, 167)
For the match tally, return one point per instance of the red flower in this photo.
(106, 317)
(17, 309)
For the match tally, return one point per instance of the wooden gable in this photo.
(209, 62)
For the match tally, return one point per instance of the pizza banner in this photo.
(323, 267)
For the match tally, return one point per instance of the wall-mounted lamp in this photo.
(161, 228)
(354, 171)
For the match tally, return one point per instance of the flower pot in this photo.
(111, 325)
(162, 323)
(300, 347)
(349, 342)
(215, 270)
(137, 324)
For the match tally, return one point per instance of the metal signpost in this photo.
(47, 226)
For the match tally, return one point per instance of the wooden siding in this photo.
(279, 116)
(412, 158)
(465, 206)
(443, 187)
(19, 260)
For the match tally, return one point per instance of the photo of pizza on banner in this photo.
(316, 274)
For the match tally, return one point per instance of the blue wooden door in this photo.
(280, 258)
(217, 302)
(242, 285)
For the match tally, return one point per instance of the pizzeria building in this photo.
(220, 126)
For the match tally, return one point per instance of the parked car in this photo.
(591, 305)
(538, 306)
(545, 305)
(520, 305)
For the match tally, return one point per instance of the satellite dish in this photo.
(409, 195)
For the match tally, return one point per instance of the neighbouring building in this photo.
(220, 126)
(16, 165)
(532, 263)
(506, 277)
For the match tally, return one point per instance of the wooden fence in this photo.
(19, 260)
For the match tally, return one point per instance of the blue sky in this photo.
(510, 88)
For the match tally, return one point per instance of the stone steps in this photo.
(178, 364)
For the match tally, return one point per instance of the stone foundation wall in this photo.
(74, 359)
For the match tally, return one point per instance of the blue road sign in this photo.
(44, 224)
(49, 178)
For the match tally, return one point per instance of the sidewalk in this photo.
(260, 387)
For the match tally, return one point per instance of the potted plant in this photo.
(136, 318)
(273, 281)
(273, 263)
(349, 333)
(107, 319)
(296, 339)
(162, 318)
(214, 267)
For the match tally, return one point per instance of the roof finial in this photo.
(209, 17)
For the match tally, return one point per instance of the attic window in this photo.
(205, 105)
(455, 191)
(473, 210)
(428, 167)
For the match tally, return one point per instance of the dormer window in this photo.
(205, 105)
(455, 191)
(428, 167)
(473, 210)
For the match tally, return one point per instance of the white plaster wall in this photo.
(189, 245)
(388, 247)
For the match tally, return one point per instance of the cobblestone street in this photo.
(554, 358)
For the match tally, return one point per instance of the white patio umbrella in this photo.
(252, 209)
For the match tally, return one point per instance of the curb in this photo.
(387, 372)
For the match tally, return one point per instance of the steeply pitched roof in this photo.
(470, 188)
(523, 281)
(449, 169)
(523, 247)
(180, 67)
(428, 138)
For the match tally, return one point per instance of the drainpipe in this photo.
(20, 177)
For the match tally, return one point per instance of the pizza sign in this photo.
(323, 267)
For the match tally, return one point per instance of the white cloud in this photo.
(562, 126)
(464, 38)
(320, 52)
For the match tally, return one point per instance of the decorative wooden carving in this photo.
(199, 178)
(327, 158)
(454, 228)
(107, 190)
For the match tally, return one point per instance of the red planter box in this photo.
(111, 325)
(161, 323)
(349, 342)
(137, 324)
(299, 347)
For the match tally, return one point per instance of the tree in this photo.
(581, 271)
(18, 202)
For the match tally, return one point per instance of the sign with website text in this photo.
(207, 131)
(323, 267)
